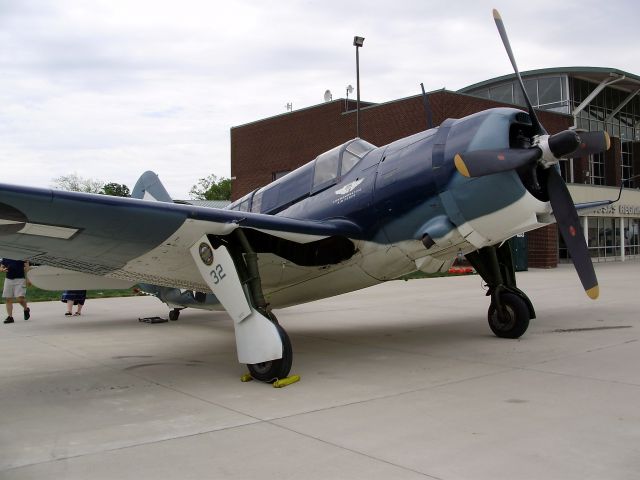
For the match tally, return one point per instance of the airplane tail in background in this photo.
(149, 187)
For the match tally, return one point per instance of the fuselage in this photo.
(416, 212)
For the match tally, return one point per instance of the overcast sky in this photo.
(109, 89)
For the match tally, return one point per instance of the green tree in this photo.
(212, 188)
(75, 183)
(116, 190)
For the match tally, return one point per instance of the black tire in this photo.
(274, 369)
(174, 314)
(516, 319)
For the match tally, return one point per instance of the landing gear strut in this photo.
(231, 272)
(276, 369)
(510, 309)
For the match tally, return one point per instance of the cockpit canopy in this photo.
(326, 170)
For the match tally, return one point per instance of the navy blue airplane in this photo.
(355, 216)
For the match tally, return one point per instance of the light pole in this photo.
(357, 42)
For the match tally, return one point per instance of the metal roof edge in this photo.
(368, 105)
(397, 100)
(549, 71)
(317, 105)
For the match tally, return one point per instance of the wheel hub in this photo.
(504, 318)
(262, 367)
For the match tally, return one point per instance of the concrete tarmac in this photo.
(400, 381)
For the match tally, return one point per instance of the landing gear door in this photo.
(218, 270)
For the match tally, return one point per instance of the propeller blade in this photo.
(571, 231)
(485, 162)
(539, 129)
(590, 143)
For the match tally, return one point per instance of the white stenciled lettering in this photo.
(347, 197)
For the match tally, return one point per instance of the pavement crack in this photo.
(356, 452)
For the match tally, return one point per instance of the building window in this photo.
(631, 236)
(531, 86)
(550, 93)
(603, 238)
(627, 162)
(502, 93)
(596, 169)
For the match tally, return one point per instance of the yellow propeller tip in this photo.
(607, 140)
(593, 292)
(462, 168)
(496, 14)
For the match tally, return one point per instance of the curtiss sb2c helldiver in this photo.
(355, 216)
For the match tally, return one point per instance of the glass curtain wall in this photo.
(604, 240)
(598, 116)
(547, 93)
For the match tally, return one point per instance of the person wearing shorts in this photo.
(74, 297)
(15, 286)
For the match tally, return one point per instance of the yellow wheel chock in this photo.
(283, 382)
(280, 383)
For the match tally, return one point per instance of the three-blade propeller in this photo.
(545, 151)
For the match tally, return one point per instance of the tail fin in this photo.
(149, 187)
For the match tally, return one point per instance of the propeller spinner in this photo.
(545, 151)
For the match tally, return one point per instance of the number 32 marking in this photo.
(217, 274)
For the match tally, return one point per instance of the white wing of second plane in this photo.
(54, 278)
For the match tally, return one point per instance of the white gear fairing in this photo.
(257, 338)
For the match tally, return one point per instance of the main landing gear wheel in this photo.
(274, 369)
(513, 321)
(174, 314)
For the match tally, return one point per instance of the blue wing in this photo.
(147, 241)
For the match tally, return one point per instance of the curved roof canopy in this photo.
(627, 81)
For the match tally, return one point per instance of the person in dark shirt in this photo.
(15, 286)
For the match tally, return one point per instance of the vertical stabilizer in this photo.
(149, 187)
